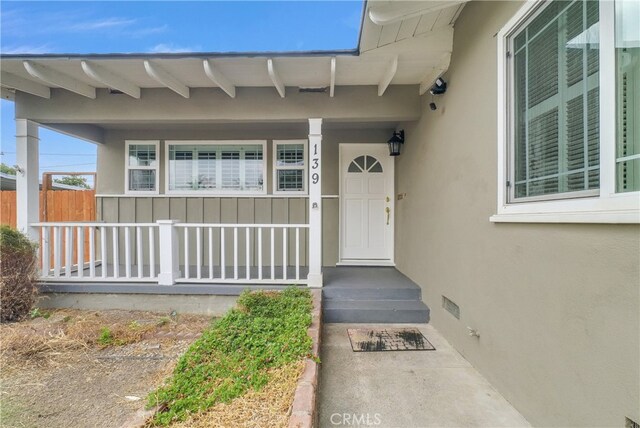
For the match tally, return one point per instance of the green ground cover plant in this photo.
(266, 330)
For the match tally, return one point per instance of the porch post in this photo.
(315, 203)
(168, 249)
(27, 177)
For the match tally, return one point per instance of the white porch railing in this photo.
(168, 252)
(98, 251)
(242, 253)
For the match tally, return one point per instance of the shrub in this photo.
(18, 265)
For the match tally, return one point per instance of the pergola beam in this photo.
(277, 82)
(163, 77)
(9, 80)
(112, 80)
(388, 76)
(56, 78)
(218, 78)
(332, 84)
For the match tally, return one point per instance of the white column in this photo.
(315, 203)
(27, 177)
(168, 249)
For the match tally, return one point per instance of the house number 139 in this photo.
(315, 164)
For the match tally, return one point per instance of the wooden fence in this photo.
(56, 206)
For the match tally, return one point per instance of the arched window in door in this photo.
(365, 164)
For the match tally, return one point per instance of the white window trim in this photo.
(608, 206)
(275, 168)
(155, 168)
(237, 193)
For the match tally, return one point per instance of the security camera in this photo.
(439, 87)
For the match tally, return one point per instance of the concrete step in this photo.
(375, 311)
(371, 293)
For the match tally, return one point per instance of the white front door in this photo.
(366, 204)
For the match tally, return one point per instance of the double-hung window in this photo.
(569, 145)
(141, 167)
(216, 167)
(290, 166)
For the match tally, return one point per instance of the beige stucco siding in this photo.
(113, 206)
(556, 305)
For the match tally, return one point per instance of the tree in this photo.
(4, 168)
(73, 180)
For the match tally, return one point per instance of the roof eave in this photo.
(186, 55)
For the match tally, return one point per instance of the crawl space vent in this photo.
(451, 307)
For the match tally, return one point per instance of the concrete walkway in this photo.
(407, 388)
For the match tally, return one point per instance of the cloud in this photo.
(143, 32)
(21, 22)
(26, 49)
(107, 23)
(172, 48)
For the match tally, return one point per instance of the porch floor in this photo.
(371, 280)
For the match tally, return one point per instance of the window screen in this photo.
(142, 180)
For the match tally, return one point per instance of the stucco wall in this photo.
(113, 207)
(556, 305)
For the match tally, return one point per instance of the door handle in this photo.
(388, 211)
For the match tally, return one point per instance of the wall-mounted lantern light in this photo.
(395, 143)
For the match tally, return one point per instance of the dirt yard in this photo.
(73, 368)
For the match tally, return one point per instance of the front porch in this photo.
(351, 294)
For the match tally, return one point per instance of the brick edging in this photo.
(303, 410)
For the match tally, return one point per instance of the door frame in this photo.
(364, 262)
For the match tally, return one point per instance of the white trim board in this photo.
(366, 263)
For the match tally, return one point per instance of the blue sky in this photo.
(161, 26)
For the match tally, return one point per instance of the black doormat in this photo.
(388, 339)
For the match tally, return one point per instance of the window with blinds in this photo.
(290, 166)
(627, 45)
(141, 167)
(555, 81)
(216, 167)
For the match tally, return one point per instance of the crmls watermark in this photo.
(355, 419)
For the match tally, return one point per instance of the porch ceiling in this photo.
(402, 43)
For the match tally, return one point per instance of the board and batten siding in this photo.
(231, 210)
